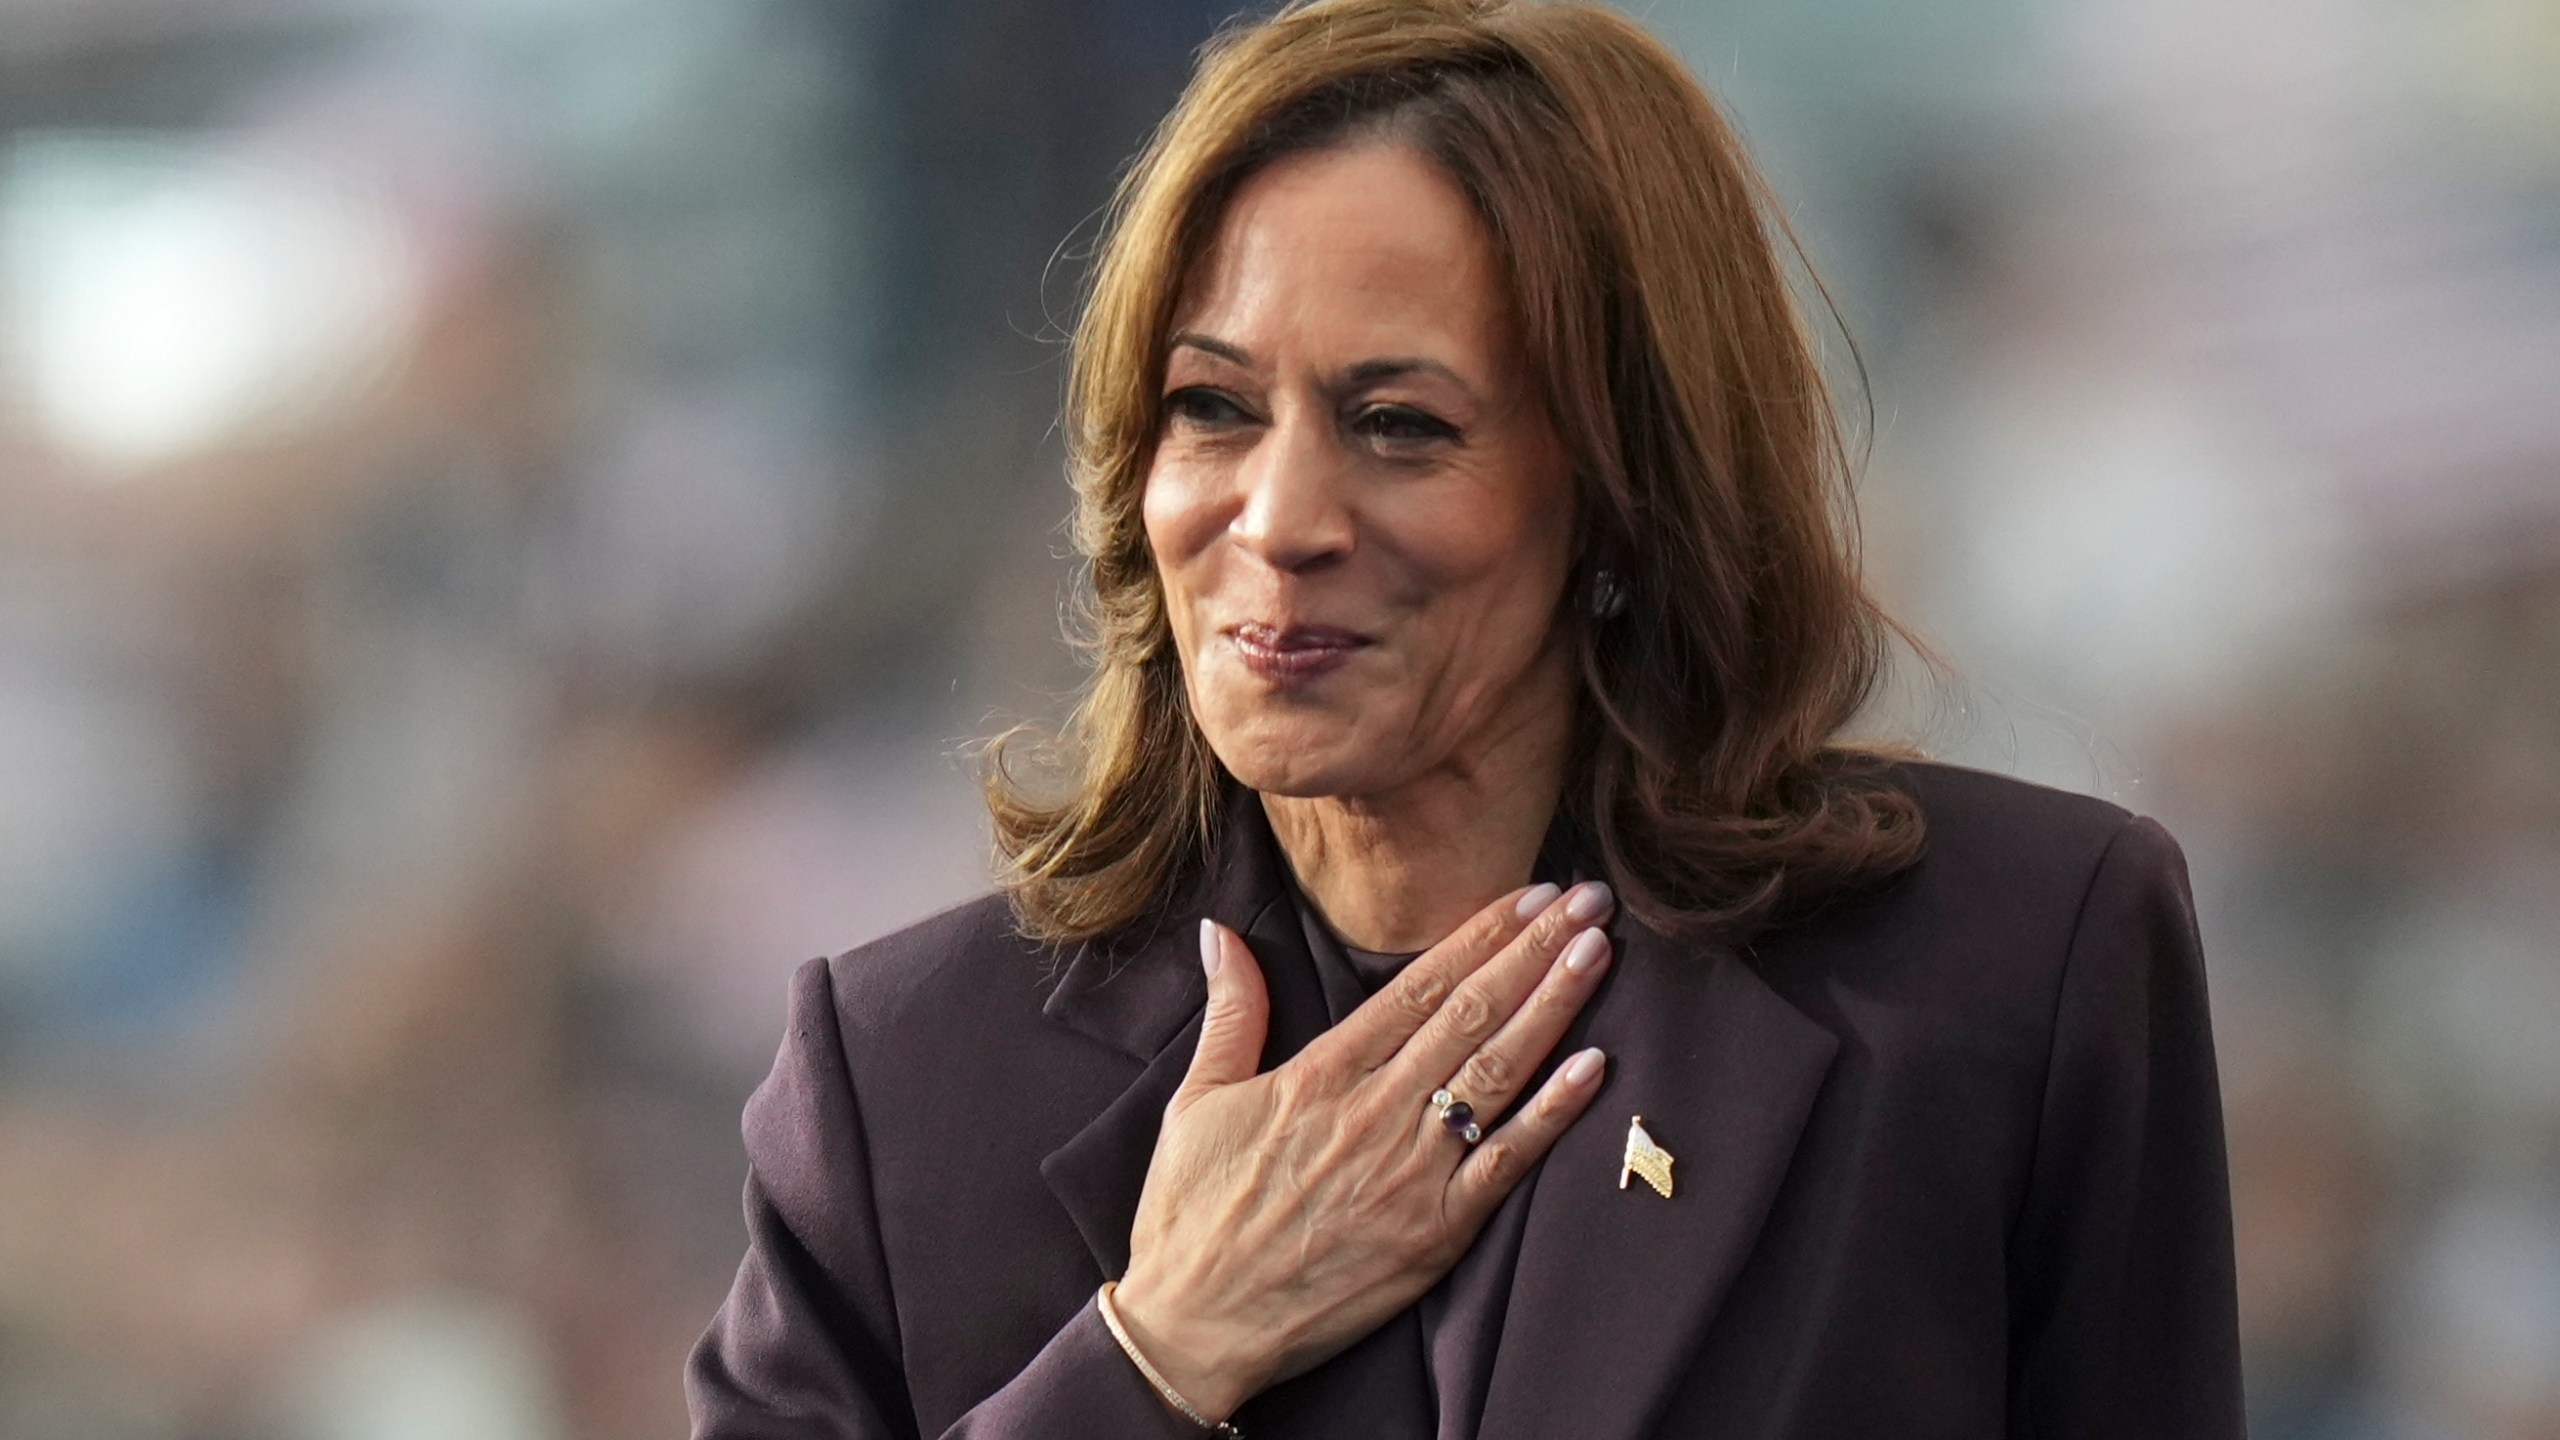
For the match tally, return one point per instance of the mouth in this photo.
(1296, 653)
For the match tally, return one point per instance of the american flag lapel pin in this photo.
(1646, 1159)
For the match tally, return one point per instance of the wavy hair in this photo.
(1642, 253)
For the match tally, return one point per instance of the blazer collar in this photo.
(1614, 1288)
(1135, 992)
(1143, 996)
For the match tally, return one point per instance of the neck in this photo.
(1399, 870)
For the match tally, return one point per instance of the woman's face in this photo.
(1359, 508)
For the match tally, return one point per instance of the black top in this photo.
(1370, 969)
(1949, 1164)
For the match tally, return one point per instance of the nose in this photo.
(1293, 517)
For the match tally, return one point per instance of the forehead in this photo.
(1353, 252)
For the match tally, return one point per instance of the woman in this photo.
(1579, 1040)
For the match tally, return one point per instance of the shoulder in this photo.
(944, 1023)
(962, 965)
(1979, 814)
(2011, 877)
(2006, 843)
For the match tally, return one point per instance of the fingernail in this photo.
(1584, 1068)
(1209, 953)
(1590, 901)
(1588, 952)
(1536, 901)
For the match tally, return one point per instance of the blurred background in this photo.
(508, 509)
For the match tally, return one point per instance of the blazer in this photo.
(1949, 1164)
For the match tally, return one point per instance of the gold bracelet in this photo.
(1129, 1347)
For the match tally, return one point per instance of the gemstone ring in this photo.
(1457, 1116)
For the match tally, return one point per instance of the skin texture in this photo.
(1355, 456)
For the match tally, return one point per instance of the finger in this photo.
(1239, 1012)
(1375, 1031)
(1485, 1000)
(1501, 1067)
(1492, 1168)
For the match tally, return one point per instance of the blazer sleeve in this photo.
(2122, 1300)
(807, 1344)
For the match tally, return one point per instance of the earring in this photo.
(1608, 594)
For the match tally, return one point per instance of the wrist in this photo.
(1213, 1379)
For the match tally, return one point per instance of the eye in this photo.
(1402, 424)
(1200, 405)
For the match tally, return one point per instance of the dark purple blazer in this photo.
(1950, 1164)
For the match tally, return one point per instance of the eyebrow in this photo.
(1220, 348)
(1388, 368)
(1367, 372)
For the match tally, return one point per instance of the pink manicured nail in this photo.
(1536, 901)
(1588, 952)
(1584, 1068)
(1209, 952)
(1590, 901)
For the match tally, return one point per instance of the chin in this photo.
(1299, 760)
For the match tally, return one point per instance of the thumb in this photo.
(1239, 1012)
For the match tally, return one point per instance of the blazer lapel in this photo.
(1145, 1000)
(1615, 1288)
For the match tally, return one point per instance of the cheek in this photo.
(1178, 508)
(1498, 557)
(1506, 607)
(1179, 526)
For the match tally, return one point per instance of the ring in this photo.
(1457, 1116)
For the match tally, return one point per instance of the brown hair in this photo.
(1713, 478)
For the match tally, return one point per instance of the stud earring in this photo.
(1608, 594)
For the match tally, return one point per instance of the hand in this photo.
(1288, 1214)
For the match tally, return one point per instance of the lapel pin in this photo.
(1646, 1159)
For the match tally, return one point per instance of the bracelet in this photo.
(1129, 1347)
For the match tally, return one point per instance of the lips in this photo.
(1295, 653)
